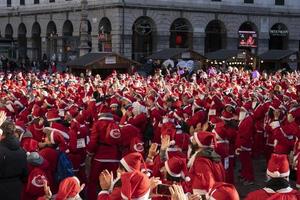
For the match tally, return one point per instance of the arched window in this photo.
(143, 38)
(181, 34)
(36, 41)
(279, 37)
(104, 37)
(215, 36)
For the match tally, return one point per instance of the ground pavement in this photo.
(260, 177)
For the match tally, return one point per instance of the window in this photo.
(248, 1)
(22, 2)
(51, 1)
(279, 2)
(8, 3)
(36, 1)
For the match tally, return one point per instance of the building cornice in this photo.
(220, 9)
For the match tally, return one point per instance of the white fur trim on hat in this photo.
(125, 165)
(199, 143)
(144, 197)
(170, 172)
(52, 138)
(277, 174)
(64, 134)
(1, 132)
(20, 128)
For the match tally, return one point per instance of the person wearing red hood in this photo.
(78, 133)
(38, 174)
(69, 189)
(135, 185)
(278, 186)
(102, 150)
(129, 163)
(226, 132)
(244, 143)
(53, 140)
(205, 166)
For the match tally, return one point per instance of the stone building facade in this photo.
(136, 28)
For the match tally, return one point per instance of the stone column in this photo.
(29, 48)
(199, 42)
(263, 43)
(163, 41)
(84, 47)
(94, 38)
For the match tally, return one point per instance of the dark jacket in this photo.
(13, 168)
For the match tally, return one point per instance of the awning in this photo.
(276, 55)
(224, 54)
(176, 53)
(103, 60)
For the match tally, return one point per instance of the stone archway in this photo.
(104, 35)
(215, 36)
(22, 41)
(51, 40)
(248, 36)
(181, 34)
(36, 41)
(9, 32)
(279, 37)
(68, 41)
(143, 38)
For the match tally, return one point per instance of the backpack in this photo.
(64, 167)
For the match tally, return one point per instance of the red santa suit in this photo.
(259, 137)
(103, 148)
(244, 143)
(204, 171)
(34, 187)
(77, 144)
(51, 155)
(135, 185)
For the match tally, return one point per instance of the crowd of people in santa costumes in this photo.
(159, 137)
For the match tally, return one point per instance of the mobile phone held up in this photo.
(163, 190)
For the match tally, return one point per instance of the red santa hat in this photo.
(170, 130)
(128, 98)
(114, 102)
(223, 191)
(278, 166)
(49, 102)
(160, 103)
(52, 115)
(58, 139)
(133, 161)
(73, 111)
(247, 106)
(36, 112)
(227, 115)
(295, 112)
(68, 188)
(20, 125)
(205, 139)
(177, 167)
(135, 185)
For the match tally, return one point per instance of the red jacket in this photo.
(266, 193)
(245, 134)
(204, 173)
(34, 187)
(99, 145)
